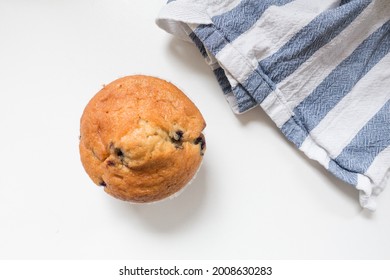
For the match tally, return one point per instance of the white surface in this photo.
(255, 196)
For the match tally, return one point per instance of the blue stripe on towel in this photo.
(258, 85)
(294, 131)
(343, 2)
(212, 39)
(222, 80)
(349, 177)
(198, 43)
(244, 99)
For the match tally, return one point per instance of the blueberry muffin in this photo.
(141, 139)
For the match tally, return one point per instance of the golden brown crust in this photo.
(141, 138)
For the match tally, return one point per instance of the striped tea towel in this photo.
(319, 68)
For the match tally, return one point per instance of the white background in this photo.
(255, 197)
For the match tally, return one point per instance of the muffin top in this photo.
(141, 139)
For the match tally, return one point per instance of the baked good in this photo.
(141, 139)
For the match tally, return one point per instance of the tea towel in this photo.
(319, 68)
